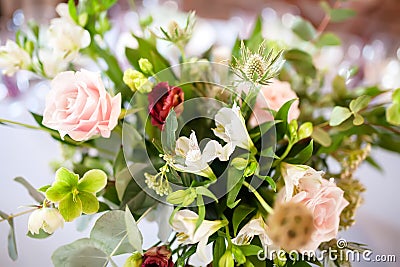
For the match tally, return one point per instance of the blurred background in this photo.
(370, 40)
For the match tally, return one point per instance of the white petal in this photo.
(35, 221)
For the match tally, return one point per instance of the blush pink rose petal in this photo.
(78, 105)
(273, 97)
(326, 204)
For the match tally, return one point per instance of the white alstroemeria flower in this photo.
(48, 219)
(53, 62)
(65, 35)
(300, 177)
(197, 161)
(255, 227)
(231, 127)
(13, 58)
(184, 222)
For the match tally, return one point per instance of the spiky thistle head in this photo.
(257, 67)
(177, 35)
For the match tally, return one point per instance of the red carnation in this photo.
(158, 257)
(161, 100)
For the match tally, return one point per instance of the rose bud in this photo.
(158, 256)
(162, 99)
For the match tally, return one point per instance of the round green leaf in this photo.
(393, 114)
(93, 181)
(69, 208)
(90, 204)
(339, 115)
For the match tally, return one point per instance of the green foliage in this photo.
(11, 242)
(393, 111)
(327, 39)
(168, 137)
(239, 214)
(341, 14)
(33, 192)
(339, 115)
(304, 29)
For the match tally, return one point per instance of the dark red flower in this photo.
(158, 257)
(161, 100)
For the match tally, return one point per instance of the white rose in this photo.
(13, 58)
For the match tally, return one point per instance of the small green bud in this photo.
(145, 65)
(145, 22)
(305, 130)
(239, 163)
(238, 254)
(136, 81)
(227, 259)
(135, 260)
(182, 197)
(251, 168)
(29, 47)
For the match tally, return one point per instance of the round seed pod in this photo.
(291, 225)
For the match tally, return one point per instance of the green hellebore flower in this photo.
(76, 195)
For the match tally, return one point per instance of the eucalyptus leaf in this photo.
(134, 235)
(168, 137)
(33, 192)
(110, 233)
(12, 244)
(83, 252)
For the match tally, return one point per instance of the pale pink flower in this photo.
(326, 205)
(273, 97)
(79, 105)
(323, 198)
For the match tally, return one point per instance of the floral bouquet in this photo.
(244, 160)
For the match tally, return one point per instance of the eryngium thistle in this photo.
(291, 225)
(257, 67)
(177, 35)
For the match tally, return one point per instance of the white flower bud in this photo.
(48, 219)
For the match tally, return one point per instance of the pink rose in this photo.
(326, 203)
(273, 97)
(79, 105)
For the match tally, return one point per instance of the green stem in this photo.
(56, 135)
(263, 203)
(283, 156)
(17, 214)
